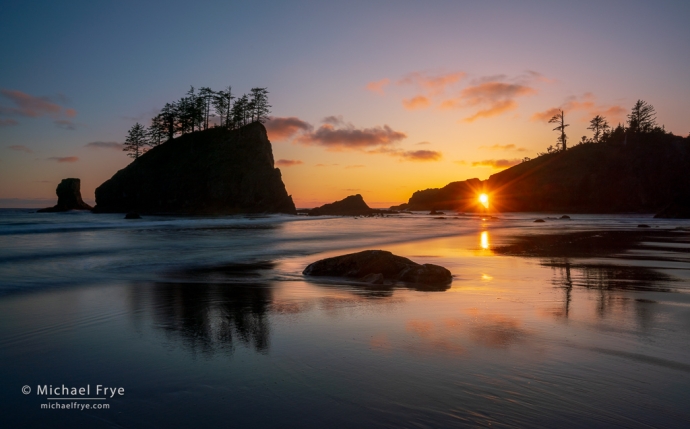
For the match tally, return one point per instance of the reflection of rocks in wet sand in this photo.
(607, 277)
(224, 272)
(591, 243)
(210, 318)
(379, 267)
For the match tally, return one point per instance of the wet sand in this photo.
(545, 339)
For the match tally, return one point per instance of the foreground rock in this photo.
(377, 266)
(69, 197)
(216, 171)
(353, 205)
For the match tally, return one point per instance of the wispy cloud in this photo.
(586, 103)
(418, 102)
(20, 148)
(421, 155)
(8, 122)
(288, 162)
(284, 128)
(30, 106)
(65, 124)
(378, 86)
(496, 163)
(490, 97)
(460, 162)
(104, 145)
(507, 147)
(484, 96)
(344, 137)
(64, 158)
(349, 167)
(432, 84)
(422, 143)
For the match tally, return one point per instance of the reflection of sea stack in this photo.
(216, 171)
(69, 197)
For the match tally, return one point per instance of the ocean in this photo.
(208, 321)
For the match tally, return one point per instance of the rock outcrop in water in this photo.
(69, 197)
(377, 266)
(644, 176)
(353, 205)
(216, 171)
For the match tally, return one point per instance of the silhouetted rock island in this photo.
(644, 175)
(215, 171)
(69, 197)
(377, 266)
(353, 205)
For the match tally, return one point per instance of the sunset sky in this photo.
(377, 98)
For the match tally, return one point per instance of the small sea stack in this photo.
(69, 197)
(353, 205)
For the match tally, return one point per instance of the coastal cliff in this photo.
(216, 171)
(643, 176)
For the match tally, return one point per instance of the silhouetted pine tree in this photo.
(260, 109)
(642, 118)
(598, 125)
(560, 119)
(135, 141)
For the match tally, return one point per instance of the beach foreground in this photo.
(209, 322)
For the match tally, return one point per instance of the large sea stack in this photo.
(69, 197)
(216, 171)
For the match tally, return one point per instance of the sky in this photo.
(379, 98)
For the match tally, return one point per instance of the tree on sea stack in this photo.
(259, 105)
(135, 141)
(559, 118)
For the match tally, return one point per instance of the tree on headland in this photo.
(599, 127)
(642, 118)
(135, 141)
(206, 96)
(157, 131)
(559, 118)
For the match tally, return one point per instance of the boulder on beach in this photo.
(353, 205)
(376, 266)
(69, 197)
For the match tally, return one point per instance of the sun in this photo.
(484, 199)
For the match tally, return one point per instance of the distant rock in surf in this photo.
(69, 197)
(539, 220)
(132, 215)
(353, 205)
(371, 266)
(566, 217)
(215, 171)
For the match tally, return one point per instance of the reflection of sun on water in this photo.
(485, 240)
